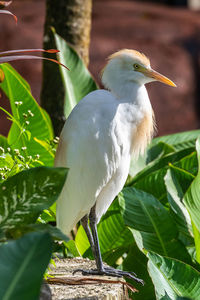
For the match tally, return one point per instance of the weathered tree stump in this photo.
(65, 286)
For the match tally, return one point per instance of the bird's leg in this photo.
(101, 269)
(94, 242)
(96, 252)
(84, 223)
(93, 239)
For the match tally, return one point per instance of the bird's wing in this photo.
(90, 147)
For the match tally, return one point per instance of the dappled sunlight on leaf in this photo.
(28, 116)
(173, 277)
(153, 227)
(32, 191)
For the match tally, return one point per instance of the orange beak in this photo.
(159, 77)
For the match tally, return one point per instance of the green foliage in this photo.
(153, 205)
(77, 82)
(151, 228)
(137, 261)
(25, 195)
(30, 122)
(29, 186)
(191, 199)
(178, 141)
(173, 278)
(23, 263)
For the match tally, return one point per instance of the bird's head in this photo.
(130, 66)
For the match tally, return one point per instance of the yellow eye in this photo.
(136, 66)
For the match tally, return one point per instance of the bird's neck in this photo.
(138, 115)
(132, 92)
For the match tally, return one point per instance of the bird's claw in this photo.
(113, 269)
(108, 271)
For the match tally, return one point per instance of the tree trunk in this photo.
(72, 21)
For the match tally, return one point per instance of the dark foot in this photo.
(108, 271)
(118, 271)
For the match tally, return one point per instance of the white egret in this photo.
(102, 132)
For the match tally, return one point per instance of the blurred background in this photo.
(167, 31)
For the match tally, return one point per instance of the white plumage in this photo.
(100, 135)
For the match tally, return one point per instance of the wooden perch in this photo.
(66, 286)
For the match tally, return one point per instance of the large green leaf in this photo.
(177, 181)
(55, 232)
(153, 183)
(173, 278)
(163, 145)
(78, 82)
(72, 248)
(192, 202)
(158, 150)
(25, 195)
(138, 164)
(188, 163)
(136, 262)
(179, 141)
(152, 225)
(34, 124)
(161, 163)
(192, 196)
(82, 242)
(151, 178)
(22, 264)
